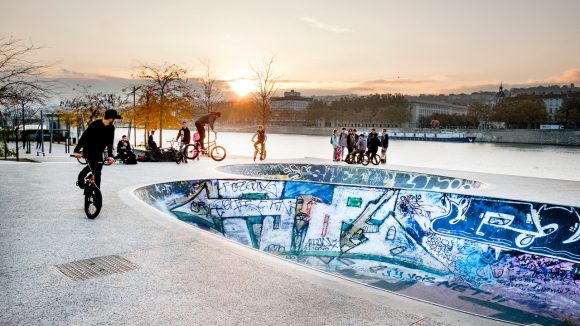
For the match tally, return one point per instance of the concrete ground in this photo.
(185, 276)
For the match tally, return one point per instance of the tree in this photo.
(21, 84)
(483, 113)
(166, 81)
(211, 94)
(569, 113)
(266, 84)
(89, 106)
(523, 111)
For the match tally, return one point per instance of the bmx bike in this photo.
(93, 198)
(195, 150)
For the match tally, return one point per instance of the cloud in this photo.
(327, 27)
(567, 77)
(390, 82)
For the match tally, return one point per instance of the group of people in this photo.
(184, 135)
(345, 143)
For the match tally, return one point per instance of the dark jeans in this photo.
(125, 155)
(96, 167)
(201, 132)
(262, 147)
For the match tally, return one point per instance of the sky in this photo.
(320, 47)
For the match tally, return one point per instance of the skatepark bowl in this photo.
(422, 236)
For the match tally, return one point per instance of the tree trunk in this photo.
(17, 147)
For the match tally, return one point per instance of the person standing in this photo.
(373, 144)
(259, 139)
(185, 135)
(343, 142)
(200, 123)
(384, 146)
(334, 141)
(151, 144)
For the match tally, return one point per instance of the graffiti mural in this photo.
(515, 261)
(351, 175)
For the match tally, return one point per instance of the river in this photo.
(554, 162)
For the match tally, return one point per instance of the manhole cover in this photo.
(96, 267)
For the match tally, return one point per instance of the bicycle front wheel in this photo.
(218, 153)
(375, 159)
(191, 151)
(93, 202)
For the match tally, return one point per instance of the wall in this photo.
(517, 136)
(351, 175)
(516, 261)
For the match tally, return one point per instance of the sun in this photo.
(242, 87)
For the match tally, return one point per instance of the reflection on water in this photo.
(556, 162)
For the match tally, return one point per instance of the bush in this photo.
(6, 152)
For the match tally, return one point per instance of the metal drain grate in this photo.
(96, 267)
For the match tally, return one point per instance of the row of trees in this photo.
(22, 88)
(522, 111)
(381, 108)
(162, 96)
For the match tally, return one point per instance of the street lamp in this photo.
(133, 91)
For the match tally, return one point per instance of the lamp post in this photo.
(134, 92)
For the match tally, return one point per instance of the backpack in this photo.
(131, 159)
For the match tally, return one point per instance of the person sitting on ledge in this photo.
(124, 152)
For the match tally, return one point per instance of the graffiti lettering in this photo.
(321, 244)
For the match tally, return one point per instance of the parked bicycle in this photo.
(216, 152)
(163, 154)
(93, 198)
(357, 157)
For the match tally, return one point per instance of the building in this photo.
(552, 103)
(291, 101)
(421, 109)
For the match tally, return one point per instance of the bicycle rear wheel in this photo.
(218, 153)
(191, 151)
(93, 202)
(155, 155)
(365, 160)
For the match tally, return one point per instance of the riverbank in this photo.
(507, 136)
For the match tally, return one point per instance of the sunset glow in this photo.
(242, 87)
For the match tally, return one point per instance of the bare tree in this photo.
(266, 82)
(211, 94)
(164, 81)
(21, 83)
(18, 70)
(89, 106)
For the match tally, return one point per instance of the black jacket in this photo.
(374, 143)
(385, 141)
(123, 147)
(185, 134)
(95, 139)
(151, 143)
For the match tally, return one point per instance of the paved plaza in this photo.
(183, 275)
